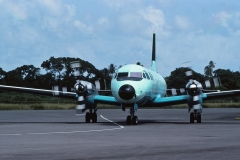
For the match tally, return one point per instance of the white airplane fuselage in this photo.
(134, 84)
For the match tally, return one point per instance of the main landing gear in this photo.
(196, 115)
(91, 116)
(132, 119)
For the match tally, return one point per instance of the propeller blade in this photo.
(75, 64)
(188, 73)
(55, 90)
(182, 90)
(207, 84)
(76, 73)
(81, 103)
(64, 89)
(97, 84)
(174, 91)
(216, 81)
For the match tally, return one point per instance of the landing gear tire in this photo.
(94, 117)
(191, 117)
(199, 118)
(129, 120)
(87, 117)
(135, 120)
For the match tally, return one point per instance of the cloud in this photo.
(82, 27)
(222, 18)
(55, 14)
(156, 19)
(130, 22)
(103, 21)
(14, 10)
(57, 8)
(182, 22)
(119, 4)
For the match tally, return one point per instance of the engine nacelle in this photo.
(194, 92)
(82, 87)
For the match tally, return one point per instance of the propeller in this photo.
(79, 88)
(194, 90)
(213, 82)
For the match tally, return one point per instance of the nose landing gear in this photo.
(132, 119)
(196, 115)
(91, 115)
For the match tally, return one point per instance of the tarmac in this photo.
(160, 134)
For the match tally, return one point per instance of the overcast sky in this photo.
(120, 32)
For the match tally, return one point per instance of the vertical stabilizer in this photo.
(153, 66)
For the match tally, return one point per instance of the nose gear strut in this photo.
(132, 119)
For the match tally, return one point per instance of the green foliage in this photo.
(178, 78)
(230, 80)
(208, 70)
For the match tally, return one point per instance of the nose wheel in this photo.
(195, 116)
(132, 119)
(91, 116)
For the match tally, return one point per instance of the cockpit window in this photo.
(115, 76)
(122, 74)
(133, 76)
(144, 75)
(136, 74)
(151, 76)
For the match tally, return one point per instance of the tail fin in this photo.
(153, 66)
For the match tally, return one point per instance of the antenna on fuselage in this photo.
(153, 66)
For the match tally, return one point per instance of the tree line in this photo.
(59, 72)
(229, 80)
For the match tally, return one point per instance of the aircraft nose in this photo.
(126, 92)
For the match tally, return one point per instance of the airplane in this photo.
(133, 86)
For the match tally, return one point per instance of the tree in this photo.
(2, 75)
(208, 70)
(229, 80)
(112, 69)
(53, 65)
(178, 78)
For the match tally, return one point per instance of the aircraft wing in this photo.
(105, 100)
(164, 101)
(70, 95)
(222, 94)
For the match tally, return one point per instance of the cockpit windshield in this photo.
(135, 76)
(122, 74)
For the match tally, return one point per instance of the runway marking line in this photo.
(237, 118)
(70, 132)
